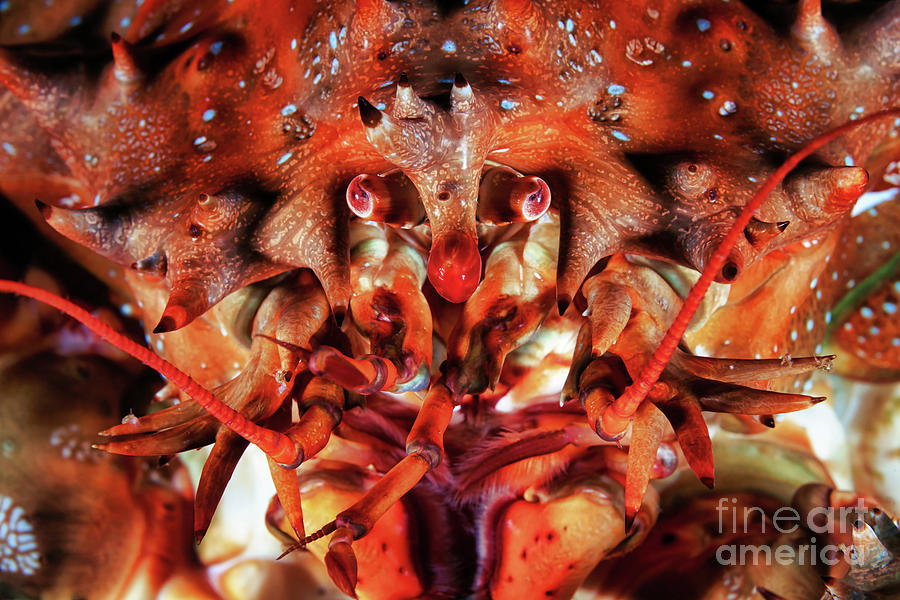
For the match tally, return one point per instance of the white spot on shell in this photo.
(729, 107)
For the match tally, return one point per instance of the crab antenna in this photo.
(273, 443)
(327, 529)
(625, 406)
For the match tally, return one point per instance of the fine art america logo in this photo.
(822, 524)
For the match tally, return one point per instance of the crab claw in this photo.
(328, 488)
(340, 561)
(388, 306)
(506, 310)
(363, 376)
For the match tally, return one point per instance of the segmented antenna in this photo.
(626, 405)
(328, 529)
(273, 443)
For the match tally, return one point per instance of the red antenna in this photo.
(616, 417)
(274, 444)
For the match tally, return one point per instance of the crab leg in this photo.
(647, 433)
(388, 308)
(322, 403)
(425, 450)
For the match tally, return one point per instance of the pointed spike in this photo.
(156, 264)
(731, 398)
(738, 370)
(646, 435)
(581, 246)
(217, 471)
(759, 233)
(407, 105)
(333, 274)
(782, 225)
(814, 32)
(287, 489)
(630, 514)
(168, 323)
(340, 561)
(106, 231)
(370, 115)
(809, 9)
(125, 66)
(821, 195)
(610, 305)
(45, 209)
(199, 280)
(323, 245)
(190, 298)
(693, 436)
(175, 316)
(581, 358)
(192, 434)
(462, 97)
